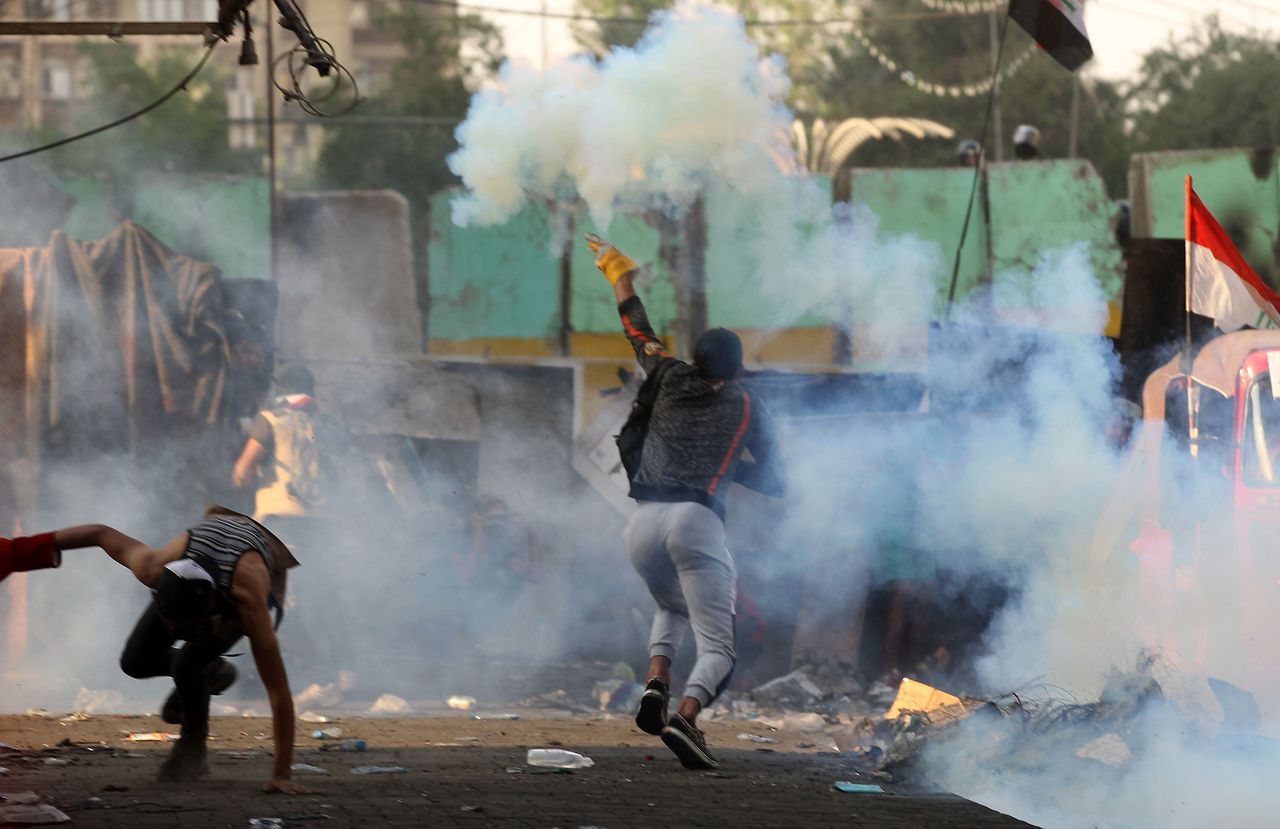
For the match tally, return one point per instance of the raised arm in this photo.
(619, 269)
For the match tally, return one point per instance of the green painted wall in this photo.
(1042, 206)
(222, 220)
(1240, 187)
(742, 290)
(504, 281)
(594, 308)
(929, 204)
(499, 281)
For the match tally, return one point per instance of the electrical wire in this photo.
(645, 21)
(62, 142)
(977, 169)
(312, 50)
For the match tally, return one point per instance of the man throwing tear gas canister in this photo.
(210, 585)
(682, 448)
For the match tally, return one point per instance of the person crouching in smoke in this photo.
(699, 421)
(210, 585)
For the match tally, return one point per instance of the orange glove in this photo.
(613, 263)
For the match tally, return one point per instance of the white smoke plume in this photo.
(648, 127)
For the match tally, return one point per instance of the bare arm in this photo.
(250, 589)
(144, 562)
(623, 289)
(246, 468)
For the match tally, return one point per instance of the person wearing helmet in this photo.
(1026, 142)
(969, 153)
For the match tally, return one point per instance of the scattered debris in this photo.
(495, 716)
(56, 761)
(558, 758)
(327, 733)
(313, 717)
(390, 704)
(345, 745)
(857, 788)
(472, 809)
(36, 814)
(756, 738)
(461, 703)
(265, 823)
(42, 713)
(247, 754)
(380, 770)
(151, 737)
(78, 716)
(307, 768)
(617, 694)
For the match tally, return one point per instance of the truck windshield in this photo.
(1260, 452)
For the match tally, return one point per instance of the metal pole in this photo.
(996, 116)
(1075, 115)
(271, 145)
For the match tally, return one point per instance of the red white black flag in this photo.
(1058, 26)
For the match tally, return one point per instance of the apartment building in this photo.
(44, 78)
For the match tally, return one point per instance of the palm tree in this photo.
(825, 148)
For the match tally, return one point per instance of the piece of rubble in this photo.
(793, 689)
(151, 737)
(807, 722)
(380, 770)
(916, 696)
(756, 738)
(390, 704)
(1110, 749)
(307, 768)
(857, 788)
(30, 815)
(617, 694)
(313, 717)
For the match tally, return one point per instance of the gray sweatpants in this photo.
(680, 552)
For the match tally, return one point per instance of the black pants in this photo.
(150, 652)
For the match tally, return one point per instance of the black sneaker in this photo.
(686, 741)
(652, 716)
(222, 674)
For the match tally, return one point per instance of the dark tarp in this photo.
(105, 347)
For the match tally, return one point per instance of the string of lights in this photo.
(941, 90)
(967, 6)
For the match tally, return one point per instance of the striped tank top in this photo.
(218, 544)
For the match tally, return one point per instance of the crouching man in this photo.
(211, 585)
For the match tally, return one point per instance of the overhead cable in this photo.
(62, 142)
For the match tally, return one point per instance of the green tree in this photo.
(446, 58)
(188, 133)
(955, 51)
(1213, 90)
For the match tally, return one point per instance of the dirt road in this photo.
(460, 772)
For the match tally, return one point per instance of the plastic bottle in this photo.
(345, 745)
(558, 758)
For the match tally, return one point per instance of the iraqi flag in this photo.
(1058, 26)
(1220, 284)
